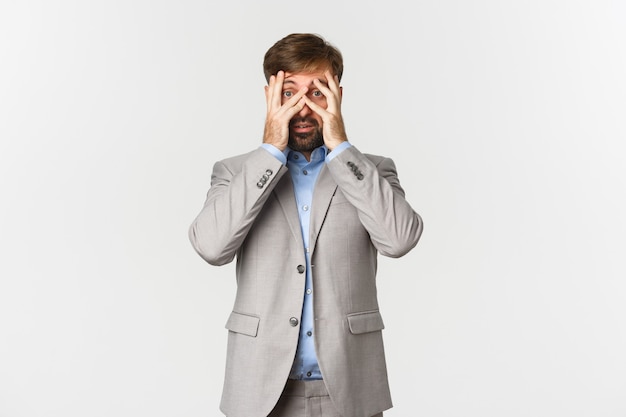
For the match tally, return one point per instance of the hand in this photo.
(278, 114)
(334, 131)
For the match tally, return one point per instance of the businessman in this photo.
(305, 214)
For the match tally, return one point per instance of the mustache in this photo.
(303, 120)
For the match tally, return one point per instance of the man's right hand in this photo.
(278, 113)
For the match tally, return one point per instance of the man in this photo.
(305, 214)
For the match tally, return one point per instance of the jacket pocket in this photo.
(243, 323)
(366, 321)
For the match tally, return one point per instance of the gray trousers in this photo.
(306, 399)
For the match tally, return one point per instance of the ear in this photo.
(266, 91)
(341, 91)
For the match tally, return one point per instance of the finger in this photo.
(315, 107)
(331, 97)
(291, 111)
(323, 88)
(277, 89)
(333, 83)
(269, 92)
(294, 100)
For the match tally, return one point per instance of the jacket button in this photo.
(301, 269)
(268, 172)
(260, 184)
(293, 321)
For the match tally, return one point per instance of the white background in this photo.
(506, 120)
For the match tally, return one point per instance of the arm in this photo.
(241, 186)
(375, 191)
(239, 189)
(372, 188)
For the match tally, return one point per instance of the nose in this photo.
(305, 111)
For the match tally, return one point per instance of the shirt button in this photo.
(293, 321)
(309, 333)
(301, 269)
(305, 172)
(296, 157)
(309, 374)
(305, 208)
(309, 291)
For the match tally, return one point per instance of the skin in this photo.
(304, 111)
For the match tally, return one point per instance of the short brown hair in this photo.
(302, 52)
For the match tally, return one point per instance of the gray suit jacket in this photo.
(250, 213)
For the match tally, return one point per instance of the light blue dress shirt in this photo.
(304, 175)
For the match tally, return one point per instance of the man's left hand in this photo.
(334, 131)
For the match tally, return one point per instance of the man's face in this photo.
(305, 128)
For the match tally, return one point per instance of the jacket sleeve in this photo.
(239, 188)
(373, 188)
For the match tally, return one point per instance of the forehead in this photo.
(303, 78)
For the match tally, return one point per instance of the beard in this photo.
(305, 142)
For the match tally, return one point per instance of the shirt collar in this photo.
(317, 155)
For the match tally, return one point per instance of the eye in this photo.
(317, 93)
(287, 94)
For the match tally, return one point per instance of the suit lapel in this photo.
(284, 192)
(323, 193)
